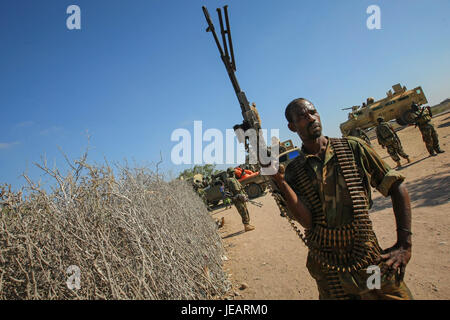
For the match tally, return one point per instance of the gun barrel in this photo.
(211, 28)
(250, 120)
(233, 63)
(223, 31)
(208, 18)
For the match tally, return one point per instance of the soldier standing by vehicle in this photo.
(429, 134)
(388, 138)
(359, 133)
(327, 190)
(226, 201)
(239, 198)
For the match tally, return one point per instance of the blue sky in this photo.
(138, 70)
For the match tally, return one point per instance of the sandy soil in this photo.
(271, 260)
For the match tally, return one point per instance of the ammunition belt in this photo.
(366, 250)
(353, 246)
(282, 206)
(335, 286)
(312, 199)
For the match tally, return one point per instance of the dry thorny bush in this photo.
(132, 235)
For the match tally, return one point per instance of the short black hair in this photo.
(294, 105)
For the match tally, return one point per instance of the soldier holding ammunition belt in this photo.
(327, 190)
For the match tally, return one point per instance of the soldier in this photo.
(388, 138)
(226, 201)
(359, 133)
(429, 134)
(239, 199)
(327, 190)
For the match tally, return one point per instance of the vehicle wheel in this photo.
(409, 117)
(253, 190)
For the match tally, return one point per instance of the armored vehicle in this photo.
(289, 153)
(396, 105)
(212, 192)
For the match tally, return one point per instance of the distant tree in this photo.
(206, 170)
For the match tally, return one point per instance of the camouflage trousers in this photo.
(395, 149)
(243, 211)
(355, 286)
(430, 137)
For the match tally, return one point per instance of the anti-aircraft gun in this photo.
(249, 112)
(396, 105)
(255, 147)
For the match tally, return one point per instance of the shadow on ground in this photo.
(432, 190)
(443, 125)
(406, 165)
(217, 211)
(234, 234)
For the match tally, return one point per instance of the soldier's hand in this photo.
(395, 260)
(279, 175)
(271, 168)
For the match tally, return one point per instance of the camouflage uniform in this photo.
(329, 183)
(429, 134)
(387, 137)
(235, 188)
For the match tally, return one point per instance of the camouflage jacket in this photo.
(234, 186)
(423, 117)
(330, 185)
(385, 133)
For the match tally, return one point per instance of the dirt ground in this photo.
(271, 260)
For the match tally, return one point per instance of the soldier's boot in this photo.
(408, 159)
(431, 150)
(439, 150)
(248, 227)
(399, 164)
